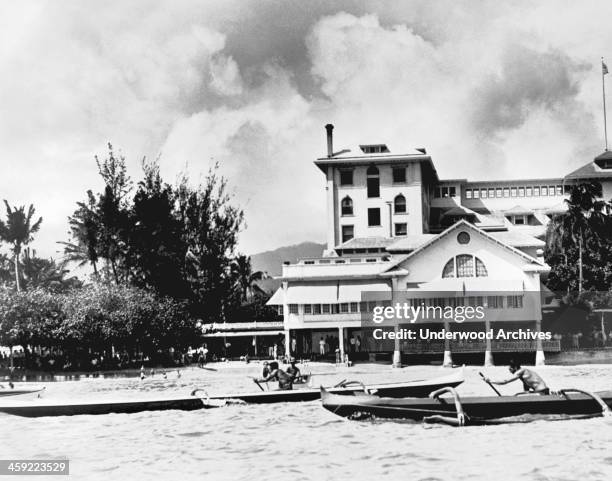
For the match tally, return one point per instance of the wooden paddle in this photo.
(491, 385)
(256, 382)
(208, 368)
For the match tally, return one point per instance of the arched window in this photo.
(347, 206)
(481, 270)
(449, 269)
(464, 265)
(399, 204)
(373, 180)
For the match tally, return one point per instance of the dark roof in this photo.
(593, 169)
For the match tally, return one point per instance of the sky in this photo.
(492, 89)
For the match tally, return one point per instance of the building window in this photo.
(316, 309)
(354, 307)
(498, 192)
(293, 308)
(528, 191)
(344, 308)
(373, 182)
(399, 175)
(483, 193)
(551, 190)
(476, 193)
(374, 217)
(464, 265)
(559, 190)
(346, 177)
(449, 269)
(399, 204)
(544, 191)
(307, 308)
(514, 302)
(348, 232)
(513, 192)
(463, 238)
(491, 193)
(536, 192)
(495, 302)
(401, 229)
(521, 191)
(468, 193)
(481, 270)
(347, 206)
(506, 192)
(325, 309)
(452, 191)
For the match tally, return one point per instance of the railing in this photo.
(242, 326)
(496, 346)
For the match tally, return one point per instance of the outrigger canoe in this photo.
(199, 399)
(393, 390)
(455, 410)
(21, 393)
(41, 408)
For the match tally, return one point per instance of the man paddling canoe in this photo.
(285, 381)
(532, 382)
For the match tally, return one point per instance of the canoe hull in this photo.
(392, 390)
(34, 409)
(21, 393)
(477, 409)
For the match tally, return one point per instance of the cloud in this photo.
(528, 80)
(490, 89)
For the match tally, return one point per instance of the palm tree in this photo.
(245, 277)
(19, 230)
(84, 232)
(583, 220)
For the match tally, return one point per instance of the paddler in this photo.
(294, 371)
(532, 382)
(285, 381)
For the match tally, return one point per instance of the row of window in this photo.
(529, 191)
(373, 178)
(399, 206)
(348, 231)
(488, 302)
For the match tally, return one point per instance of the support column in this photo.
(255, 346)
(448, 358)
(539, 358)
(287, 344)
(397, 355)
(341, 343)
(488, 360)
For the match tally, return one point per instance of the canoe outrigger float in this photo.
(199, 399)
(457, 411)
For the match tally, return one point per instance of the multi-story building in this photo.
(397, 233)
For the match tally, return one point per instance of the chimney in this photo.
(330, 140)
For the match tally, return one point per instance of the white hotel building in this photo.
(398, 233)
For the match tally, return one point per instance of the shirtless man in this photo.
(532, 382)
(285, 381)
(294, 371)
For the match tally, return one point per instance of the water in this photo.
(302, 441)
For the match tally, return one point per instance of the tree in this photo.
(245, 278)
(582, 230)
(18, 231)
(84, 234)
(38, 272)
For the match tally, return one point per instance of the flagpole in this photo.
(604, 69)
